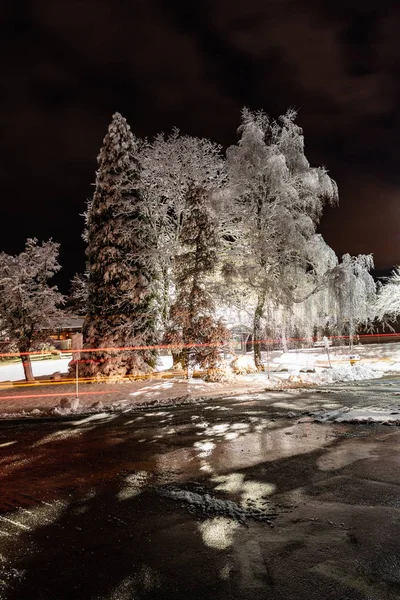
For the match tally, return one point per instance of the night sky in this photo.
(67, 65)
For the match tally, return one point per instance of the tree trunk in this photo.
(257, 328)
(179, 358)
(27, 365)
(351, 334)
(23, 347)
(284, 340)
(165, 297)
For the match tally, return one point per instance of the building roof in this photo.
(66, 322)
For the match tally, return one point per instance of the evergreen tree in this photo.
(77, 298)
(192, 314)
(120, 255)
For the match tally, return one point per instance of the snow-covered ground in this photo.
(371, 361)
(15, 372)
(382, 356)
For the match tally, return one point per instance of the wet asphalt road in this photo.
(137, 506)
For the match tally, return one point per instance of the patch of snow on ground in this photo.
(164, 363)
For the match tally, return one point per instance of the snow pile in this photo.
(243, 364)
(223, 374)
(348, 373)
(334, 375)
(368, 414)
(67, 406)
(210, 505)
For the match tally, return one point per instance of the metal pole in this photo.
(76, 379)
(329, 358)
(326, 344)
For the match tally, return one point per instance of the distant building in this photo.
(241, 336)
(62, 329)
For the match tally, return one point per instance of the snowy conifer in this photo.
(77, 298)
(192, 318)
(120, 254)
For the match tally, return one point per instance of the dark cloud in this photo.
(68, 65)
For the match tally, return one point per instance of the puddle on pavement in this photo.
(228, 447)
(348, 452)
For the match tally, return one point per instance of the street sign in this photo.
(76, 343)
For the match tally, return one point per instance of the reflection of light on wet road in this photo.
(218, 532)
(255, 492)
(154, 487)
(232, 482)
(146, 579)
(96, 417)
(347, 453)
(250, 491)
(60, 435)
(134, 485)
(206, 467)
(205, 448)
(229, 447)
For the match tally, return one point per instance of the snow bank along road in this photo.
(229, 498)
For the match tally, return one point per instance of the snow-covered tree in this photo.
(120, 261)
(172, 167)
(78, 294)
(192, 318)
(27, 302)
(387, 305)
(354, 290)
(277, 202)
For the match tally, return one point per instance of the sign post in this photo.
(326, 344)
(76, 343)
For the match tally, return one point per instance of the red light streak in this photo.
(49, 395)
(193, 345)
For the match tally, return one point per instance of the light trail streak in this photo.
(191, 345)
(50, 395)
